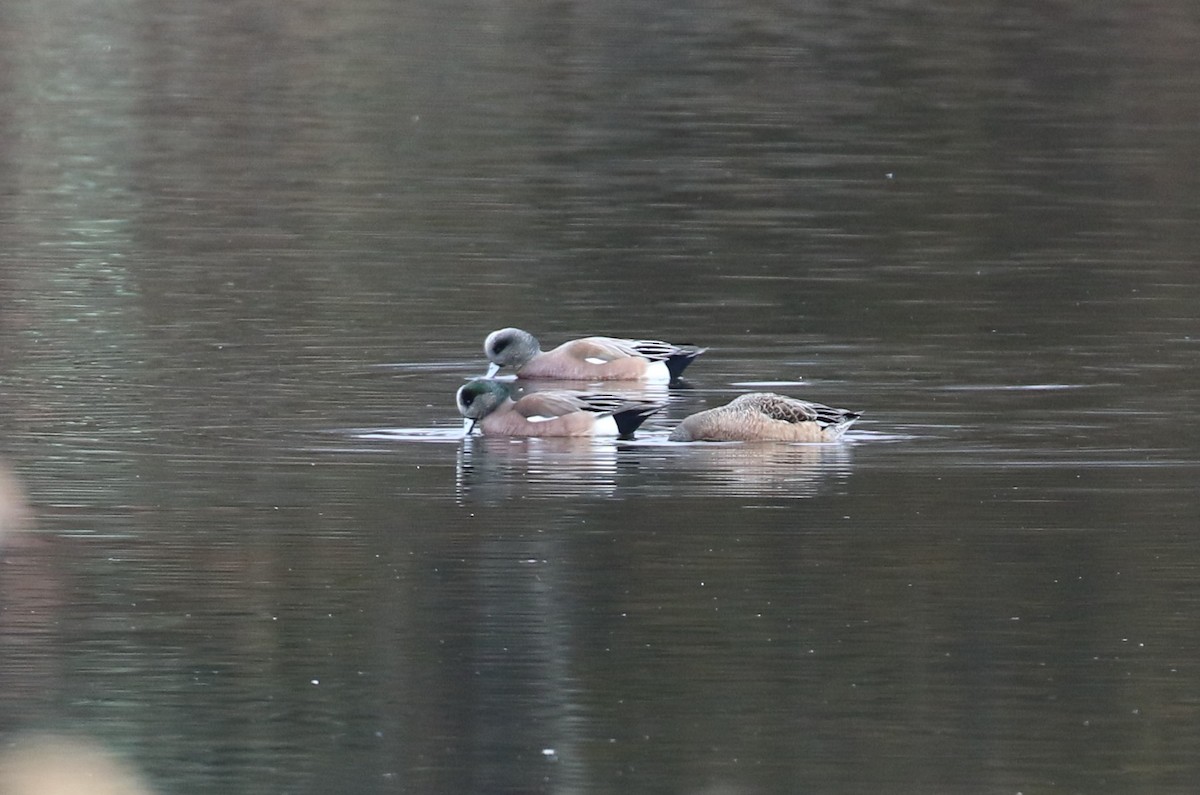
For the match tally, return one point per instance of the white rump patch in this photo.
(605, 426)
(657, 373)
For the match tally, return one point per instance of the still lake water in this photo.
(250, 250)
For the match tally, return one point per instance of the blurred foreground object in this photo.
(14, 511)
(54, 765)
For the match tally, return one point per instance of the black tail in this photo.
(630, 419)
(678, 362)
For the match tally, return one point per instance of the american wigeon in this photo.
(489, 404)
(765, 416)
(588, 359)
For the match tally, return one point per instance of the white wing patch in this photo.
(594, 360)
(540, 418)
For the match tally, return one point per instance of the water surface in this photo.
(250, 251)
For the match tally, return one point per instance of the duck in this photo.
(489, 404)
(588, 358)
(765, 416)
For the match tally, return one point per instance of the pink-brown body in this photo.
(588, 359)
(591, 359)
(488, 404)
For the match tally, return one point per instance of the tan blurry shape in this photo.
(54, 765)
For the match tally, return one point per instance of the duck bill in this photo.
(468, 426)
(493, 368)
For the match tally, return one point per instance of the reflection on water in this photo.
(765, 469)
(407, 435)
(496, 469)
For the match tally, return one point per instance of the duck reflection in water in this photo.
(493, 469)
(757, 470)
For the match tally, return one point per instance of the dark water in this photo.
(249, 250)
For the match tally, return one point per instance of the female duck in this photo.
(489, 405)
(588, 359)
(765, 416)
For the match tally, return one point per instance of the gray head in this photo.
(479, 398)
(509, 347)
